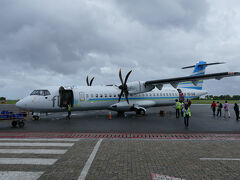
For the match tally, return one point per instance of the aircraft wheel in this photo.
(14, 123)
(141, 112)
(120, 114)
(36, 118)
(21, 124)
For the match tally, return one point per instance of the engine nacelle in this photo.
(121, 107)
(139, 87)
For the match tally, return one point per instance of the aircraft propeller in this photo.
(123, 86)
(89, 84)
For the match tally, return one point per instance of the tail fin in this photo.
(199, 69)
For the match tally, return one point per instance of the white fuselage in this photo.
(104, 97)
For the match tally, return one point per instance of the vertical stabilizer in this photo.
(199, 69)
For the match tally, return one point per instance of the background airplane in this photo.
(128, 96)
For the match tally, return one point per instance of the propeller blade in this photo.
(123, 86)
(91, 81)
(125, 82)
(120, 76)
(120, 96)
(126, 95)
(87, 81)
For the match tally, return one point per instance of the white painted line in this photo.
(89, 161)
(220, 159)
(36, 144)
(35, 161)
(19, 175)
(41, 139)
(33, 151)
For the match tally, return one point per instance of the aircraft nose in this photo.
(20, 104)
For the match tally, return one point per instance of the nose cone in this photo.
(20, 104)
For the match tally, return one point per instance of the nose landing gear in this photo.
(36, 117)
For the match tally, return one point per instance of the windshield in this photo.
(40, 92)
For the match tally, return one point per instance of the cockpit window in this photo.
(40, 92)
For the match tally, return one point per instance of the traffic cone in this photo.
(109, 116)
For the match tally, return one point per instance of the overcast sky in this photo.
(59, 42)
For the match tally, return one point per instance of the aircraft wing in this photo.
(175, 81)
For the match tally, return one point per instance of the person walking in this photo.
(189, 102)
(69, 108)
(182, 107)
(219, 109)
(226, 110)
(236, 109)
(213, 106)
(178, 107)
(187, 115)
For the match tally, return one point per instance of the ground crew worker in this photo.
(186, 114)
(178, 107)
(182, 107)
(69, 108)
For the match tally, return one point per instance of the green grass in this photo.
(210, 101)
(10, 101)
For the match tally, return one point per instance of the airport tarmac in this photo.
(201, 121)
(89, 146)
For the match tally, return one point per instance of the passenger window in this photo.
(110, 95)
(91, 95)
(96, 95)
(86, 96)
(163, 94)
(115, 95)
(146, 94)
(101, 95)
(105, 95)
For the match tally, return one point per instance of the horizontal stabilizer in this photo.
(208, 64)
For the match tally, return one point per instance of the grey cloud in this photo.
(164, 13)
(53, 37)
(59, 42)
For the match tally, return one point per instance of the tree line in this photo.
(221, 97)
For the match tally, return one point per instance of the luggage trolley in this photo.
(16, 118)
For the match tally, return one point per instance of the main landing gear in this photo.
(140, 112)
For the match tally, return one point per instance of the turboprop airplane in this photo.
(129, 96)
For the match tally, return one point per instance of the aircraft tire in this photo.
(14, 124)
(35, 117)
(141, 112)
(21, 124)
